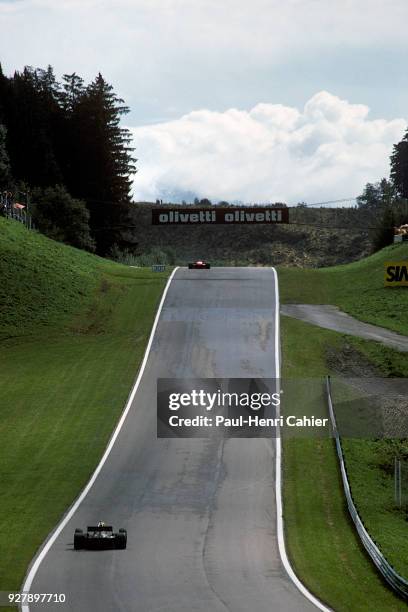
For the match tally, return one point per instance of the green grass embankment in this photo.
(336, 568)
(322, 543)
(357, 288)
(73, 331)
(370, 465)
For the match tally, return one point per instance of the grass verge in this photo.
(73, 335)
(356, 288)
(322, 543)
(370, 464)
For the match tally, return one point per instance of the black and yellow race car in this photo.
(100, 537)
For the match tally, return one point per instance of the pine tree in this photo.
(4, 159)
(102, 162)
(68, 140)
(72, 90)
(399, 166)
(30, 110)
(384, 234)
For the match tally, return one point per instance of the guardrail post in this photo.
(399, 484)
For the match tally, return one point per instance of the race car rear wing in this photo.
(96, 528)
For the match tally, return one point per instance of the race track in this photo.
(201, 513)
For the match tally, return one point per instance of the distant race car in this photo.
(199, 265)
(100, 537)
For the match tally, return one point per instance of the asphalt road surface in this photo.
(331, 317)
(200, 513)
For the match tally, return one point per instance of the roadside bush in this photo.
(61, 217)
(155, 255)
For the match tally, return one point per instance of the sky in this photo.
(252, 101)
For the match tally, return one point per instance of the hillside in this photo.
(42, 281)
(314, 238)
(357, 288)
(73, 331)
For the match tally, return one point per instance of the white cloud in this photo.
(169, 56)
(143, 32)
(328, 150)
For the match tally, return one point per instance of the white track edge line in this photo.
(67, 517)
(278, 475)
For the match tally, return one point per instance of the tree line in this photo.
(63, 146)
(386, 201)
(62, 143)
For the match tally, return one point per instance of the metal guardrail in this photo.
(397, 582)
(158, 268)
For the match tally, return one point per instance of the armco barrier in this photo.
(397, 582)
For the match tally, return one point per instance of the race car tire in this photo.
(79, 539)
(121, 540)
(190, 266)
(207, 266)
